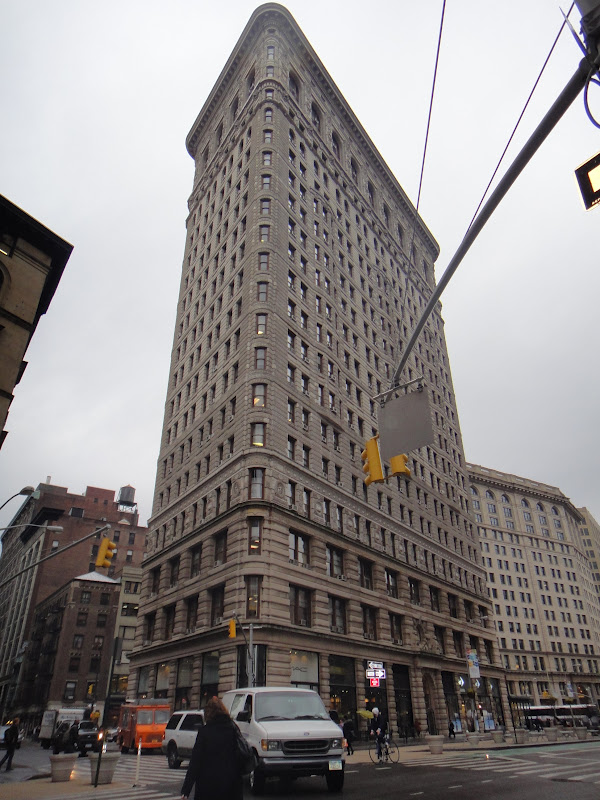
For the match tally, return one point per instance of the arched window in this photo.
(539, 507)
(524, 503)
(504, 499)
(371, 193)
(294, 86)
(354, 169)
(250, 81)
(474, 491)
(554, 510)
(335, 145)
(489, 495)
(316, 116)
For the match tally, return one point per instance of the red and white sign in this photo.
(374, 683)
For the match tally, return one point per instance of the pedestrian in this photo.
(11, 739)
(349, 736)
(417, 727)
(451, 732)
(214, 768)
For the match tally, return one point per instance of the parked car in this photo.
(180, 736)
(3, 729)
(291, 733)
(111, 734)
(88, 737)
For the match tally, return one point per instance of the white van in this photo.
(290, 732)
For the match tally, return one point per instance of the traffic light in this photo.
(232, 630)
(372, 458)
(398, 465)
(105, 552)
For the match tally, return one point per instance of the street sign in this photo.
(404, 424)
(375, 673)
(375, 664)
(588, 178)
(374, 683)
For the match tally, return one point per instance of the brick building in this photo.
(305, 271)
(27, 540)
(68, 657)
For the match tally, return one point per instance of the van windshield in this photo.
(144, 717)
(289, 705)
(161, 715)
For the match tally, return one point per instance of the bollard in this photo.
(137, 766)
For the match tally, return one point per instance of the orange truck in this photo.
(144, 721)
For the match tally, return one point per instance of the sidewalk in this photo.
(24, 783)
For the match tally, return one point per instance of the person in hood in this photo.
(214, 768)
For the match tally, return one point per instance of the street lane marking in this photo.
(490, 780)
(458, 786)
(415, 794)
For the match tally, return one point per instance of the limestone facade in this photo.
(305, 271)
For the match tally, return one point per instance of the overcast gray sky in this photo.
(97, 99)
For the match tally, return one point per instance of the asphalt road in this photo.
(557, 771)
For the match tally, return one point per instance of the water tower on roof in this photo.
(126, 498)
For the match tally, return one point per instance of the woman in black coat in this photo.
(214, 767)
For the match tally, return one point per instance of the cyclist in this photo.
(378, 728)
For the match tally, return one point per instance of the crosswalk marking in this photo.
(515, 767)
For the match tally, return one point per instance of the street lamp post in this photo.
(27, 491)
(50, 555)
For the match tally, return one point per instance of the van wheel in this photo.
(173, 757)
(335, 781)
(257, 782)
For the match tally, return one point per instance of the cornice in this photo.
(275, 14)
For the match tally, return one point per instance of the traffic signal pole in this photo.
(55, 553)
(587, 67)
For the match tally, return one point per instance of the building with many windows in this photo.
(541, 587)
(305, 272)
(589, 531)
(68, 658)
(28, 540)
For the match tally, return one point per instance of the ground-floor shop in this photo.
(417, 695)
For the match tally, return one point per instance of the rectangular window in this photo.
(365, 573)
(369, 622)
(391, 583)
(254, 535)
(335, 562)
(217, 605)
(220, 541)
(300, 606)
(337, 614)
(260, 357)
(298, 548)
(257, 478)
(252, 596)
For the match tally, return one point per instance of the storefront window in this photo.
(304, 669)
(183, 690)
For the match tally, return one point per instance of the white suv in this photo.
(291, 733)
(180, 736)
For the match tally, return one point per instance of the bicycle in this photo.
(388, 751)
